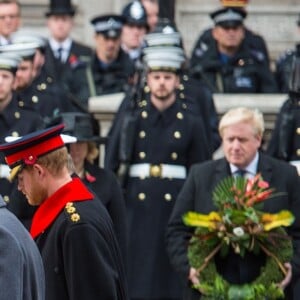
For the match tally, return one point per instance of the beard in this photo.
(163, 94)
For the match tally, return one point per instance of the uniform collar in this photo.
(47, 212)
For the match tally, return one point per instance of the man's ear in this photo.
(39, 169)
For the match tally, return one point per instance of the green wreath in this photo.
(239, 224)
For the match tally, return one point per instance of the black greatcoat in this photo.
(81, 256)
(174, 137)
(106, 186)
(196, 195)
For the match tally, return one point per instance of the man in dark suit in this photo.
(241, 130)
(62, 51)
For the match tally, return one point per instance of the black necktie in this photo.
(240, 172)
(59, 54)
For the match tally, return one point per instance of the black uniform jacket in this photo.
(285, 140)
(81, 256)
(15, 120)
(106, 186)
(253, 41)
(246, 72)
(175, 137)
(196, 195)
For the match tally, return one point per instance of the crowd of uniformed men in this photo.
(166, 122)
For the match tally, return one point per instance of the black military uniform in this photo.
(284, 68)
(285, 140)
(16, 121)
(72, 229)
(246, 72)
(165, 145)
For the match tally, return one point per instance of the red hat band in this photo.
(31, 154)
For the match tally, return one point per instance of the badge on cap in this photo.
(136, 10)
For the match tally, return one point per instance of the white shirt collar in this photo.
(65, 45)
(251, 169)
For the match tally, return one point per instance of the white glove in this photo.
(4, 171)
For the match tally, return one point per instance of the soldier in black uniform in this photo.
(284, 66)
(15, 120)
(71, 227)
(134, 29)
(46, 103)
(162, 142)
(254, 41)
(228, 64)
(285, 139)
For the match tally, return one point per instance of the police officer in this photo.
(165, 141)
(285, 140)
(255, 41)
(110, 70)
(229, 65)
(134, 29)
(284, 66)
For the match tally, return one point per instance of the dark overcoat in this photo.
(81, 255)
(174, 137)
(196, 195)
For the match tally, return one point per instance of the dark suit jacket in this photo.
(196, 195)
(54, 68)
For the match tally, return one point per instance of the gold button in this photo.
(142, 155)
(298, 130)
(168, 197)
(35, 99)
(144, 114)
(143, 103)
(15, 134)
(69, 204)
(181, 87)
(17, 115)
(185, 77)
(71, 209)
(177, 135)
(142, 134)
(181, 96)
(174, 155)
(75, 217)
(49, 79)
(6, 198)
(298, 152)
(146, 89)
(184, 106)
(142, 196)
(179, 116)
(21, 103)
(241, 62)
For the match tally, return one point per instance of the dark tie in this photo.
(59, 54)
(240, 172)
